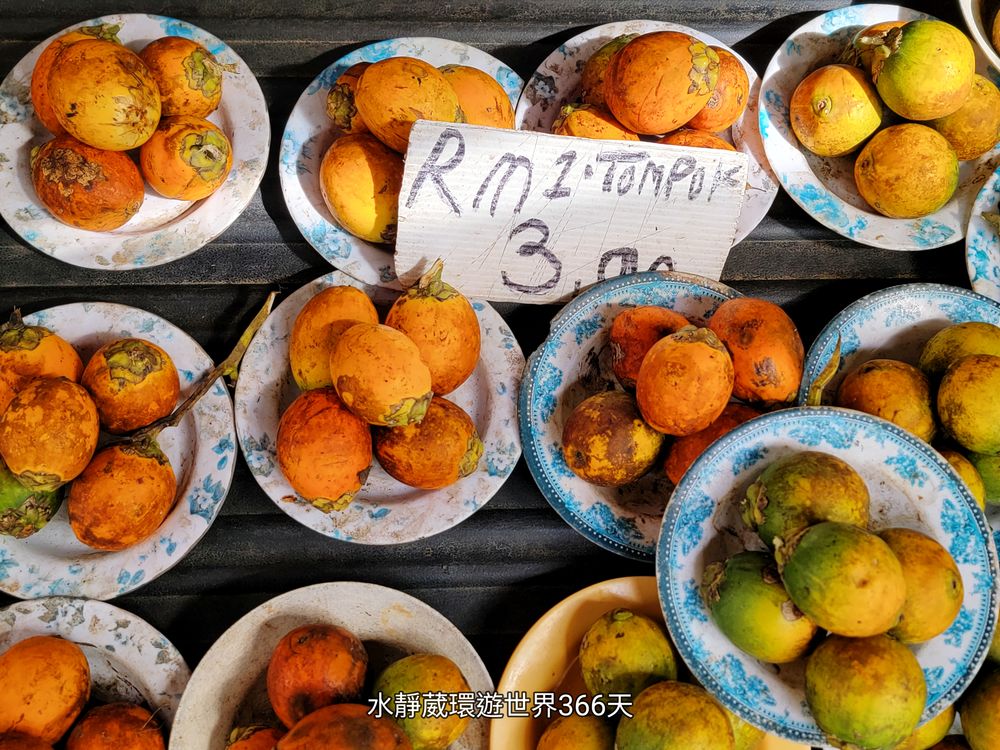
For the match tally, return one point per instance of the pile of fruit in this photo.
(873, 594)
(919, 79)
(44, 693)
(373, 107)
(956, 384)
(99, 99)
(683, 378)
(627, 660)
(355, 373)
(663, 82)
(52, 410)
(315, 686)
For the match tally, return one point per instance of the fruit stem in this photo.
(227, 368)
(815, 396)
(430, 283)
(14, 322)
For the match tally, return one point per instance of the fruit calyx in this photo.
(130, 361)
(473, 452)
(753, 505)
(106, 31)
(146, 447)
(785, 548)
(431, 284)
(711, 582)
(993, 219)
(883, 46)
(14, 334)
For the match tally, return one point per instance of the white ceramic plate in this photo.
(982, 242)
(310, 132)
(384, 511)
(546, 659)
(911, 486)
(825, 187)
(574, 362)
(164, 229)
(557, 83)
(129, 659)
(201, 449)
(980, 25)
(228, 687)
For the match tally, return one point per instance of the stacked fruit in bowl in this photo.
(100, 100)
(699, 91)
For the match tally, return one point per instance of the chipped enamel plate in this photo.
(201, 449)
(982, 242)
(164, 229)
(546, 659)
(556, 83)
(310, 132)
(129, 659)
(825, 187)
(228, 687)
(384, 511)
(573, 363)
(910, 485)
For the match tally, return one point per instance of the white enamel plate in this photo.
(164, 229)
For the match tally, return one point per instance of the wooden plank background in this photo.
(497, 572)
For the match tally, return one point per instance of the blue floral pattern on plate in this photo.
(825, 188)
(309, 132)
(982, 241)
(574, 362)
(129, 659)
(556, 83)
(164, 229)
(384, 511)
(691, 538)
(201, 449)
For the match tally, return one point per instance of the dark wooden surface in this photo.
(497, 572)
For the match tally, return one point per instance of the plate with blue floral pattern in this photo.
(164, 229)
(201, 449)
(310, 132)
(825, 187)
(982, 242)
(573, 363)
(384, 511)
(556, 83)
(129, 659)
(910, 485)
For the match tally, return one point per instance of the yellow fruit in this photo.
(834, 109)
(974, 128)
(482, 99)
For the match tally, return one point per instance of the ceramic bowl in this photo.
(982, 241)
(980, 24)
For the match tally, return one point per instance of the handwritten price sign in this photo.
(533, 217)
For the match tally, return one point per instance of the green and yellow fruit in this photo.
(187, 158)
(425, 673)
(907, 171)
(729, 100)
(893, 390)
(625, 652)
(745, 735)
(934, 589)
(969, 474)
(979, 710)
(605, 440)
(974, 128)
(865, 693)
(576, 732)
(989, 471)
(801, 489)
(954, 342)
(24, 510)
(187, 75)
(968, 403)
(595, 70)
(675, 716)
(931, 733)
(751, 607)
(834, 109)
(845, 579)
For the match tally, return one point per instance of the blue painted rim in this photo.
(988, 197)
(691, 479)
(822, 348)
(526, 402)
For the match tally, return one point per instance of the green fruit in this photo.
(925, 70)
(675, 716)
(934, 590)
(867, 693)
(745, 735)
(951, 344)
(844, 579)
(24, 510)
(802, 489)
(751, 607)
(425, 673)
(968, 473)
(575, 732)
(989, 471)
(980, 712)
(624, 653)
(968, 403)
(930, 733)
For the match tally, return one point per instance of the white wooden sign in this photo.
(532, 217)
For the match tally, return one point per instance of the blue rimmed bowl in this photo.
(982, 241)
(574, 362)
(910, 485)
